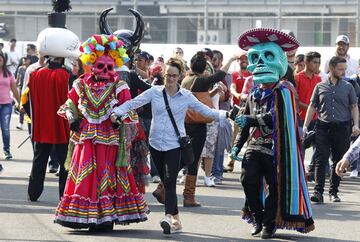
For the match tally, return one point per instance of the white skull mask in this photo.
(104, 68)
(58, 42)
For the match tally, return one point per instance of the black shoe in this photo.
(257, 229)
(53, 169)
(317, 198)
(1, 168)
(268, 232)
(31, 199)
(105, 227)
(310, 177)
(334, 198)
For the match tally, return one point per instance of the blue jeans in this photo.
(5, 116)
(218, 165)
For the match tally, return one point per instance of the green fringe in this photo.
(73, 108)
(70, 152)
(121, 155)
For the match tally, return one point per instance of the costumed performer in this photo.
(271, 127)
(48, 87)
(100, 189)
(138, 145)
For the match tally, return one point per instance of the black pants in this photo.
(41, 156)
(197, 133)
(54, 159)
(331, 139)
(168, 165)
(255, 167)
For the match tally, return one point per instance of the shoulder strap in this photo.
(168, 109)
(193, 82)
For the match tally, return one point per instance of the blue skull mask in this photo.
(267, 62)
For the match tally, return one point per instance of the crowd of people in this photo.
(115, 116)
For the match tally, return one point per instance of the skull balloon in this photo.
(267, 62)
(104, 68)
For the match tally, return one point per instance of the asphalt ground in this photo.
(217, 219)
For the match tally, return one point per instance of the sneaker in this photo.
(334, 198)
(354, 174)
(176, 226)
(208, 182)
(317, 198)
(8, 155)
(217, 181)
(156, 179)
(182, 179)
(165, 224)
(1, 168)
(19, 126)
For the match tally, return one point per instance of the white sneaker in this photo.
(182, 179)
(208, 182)
(354, 174)
(165, 224)
(19, 126)
(156, 179)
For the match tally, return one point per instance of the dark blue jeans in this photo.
(5, 116)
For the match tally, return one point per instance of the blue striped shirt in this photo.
(162, 135)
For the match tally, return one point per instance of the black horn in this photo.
(103, 25)
(140, 27)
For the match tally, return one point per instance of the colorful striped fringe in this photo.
(294, 207)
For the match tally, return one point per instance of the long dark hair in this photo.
(4, 68)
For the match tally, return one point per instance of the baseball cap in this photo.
(144, 54)
(342, 38)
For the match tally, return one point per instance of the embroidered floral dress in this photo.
(100, 187)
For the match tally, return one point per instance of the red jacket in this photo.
(48, 91)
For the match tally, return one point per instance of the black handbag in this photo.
(309, 139)
(187, 154)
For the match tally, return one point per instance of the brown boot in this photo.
(159, 193)
(230, 166)
(189, 192)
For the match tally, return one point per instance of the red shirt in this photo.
(238, 78)
(304, 88)
(48, 91)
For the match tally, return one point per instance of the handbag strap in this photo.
(168, 109)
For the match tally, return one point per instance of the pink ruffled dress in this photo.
(100, 188)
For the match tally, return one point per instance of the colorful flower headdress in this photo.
(98, 45)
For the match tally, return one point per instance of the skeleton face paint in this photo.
(267, 62)
(104, 68)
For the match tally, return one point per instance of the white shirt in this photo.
(13, 61)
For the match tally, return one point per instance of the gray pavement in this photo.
(217, 220)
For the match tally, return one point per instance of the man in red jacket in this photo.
(48, 90)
